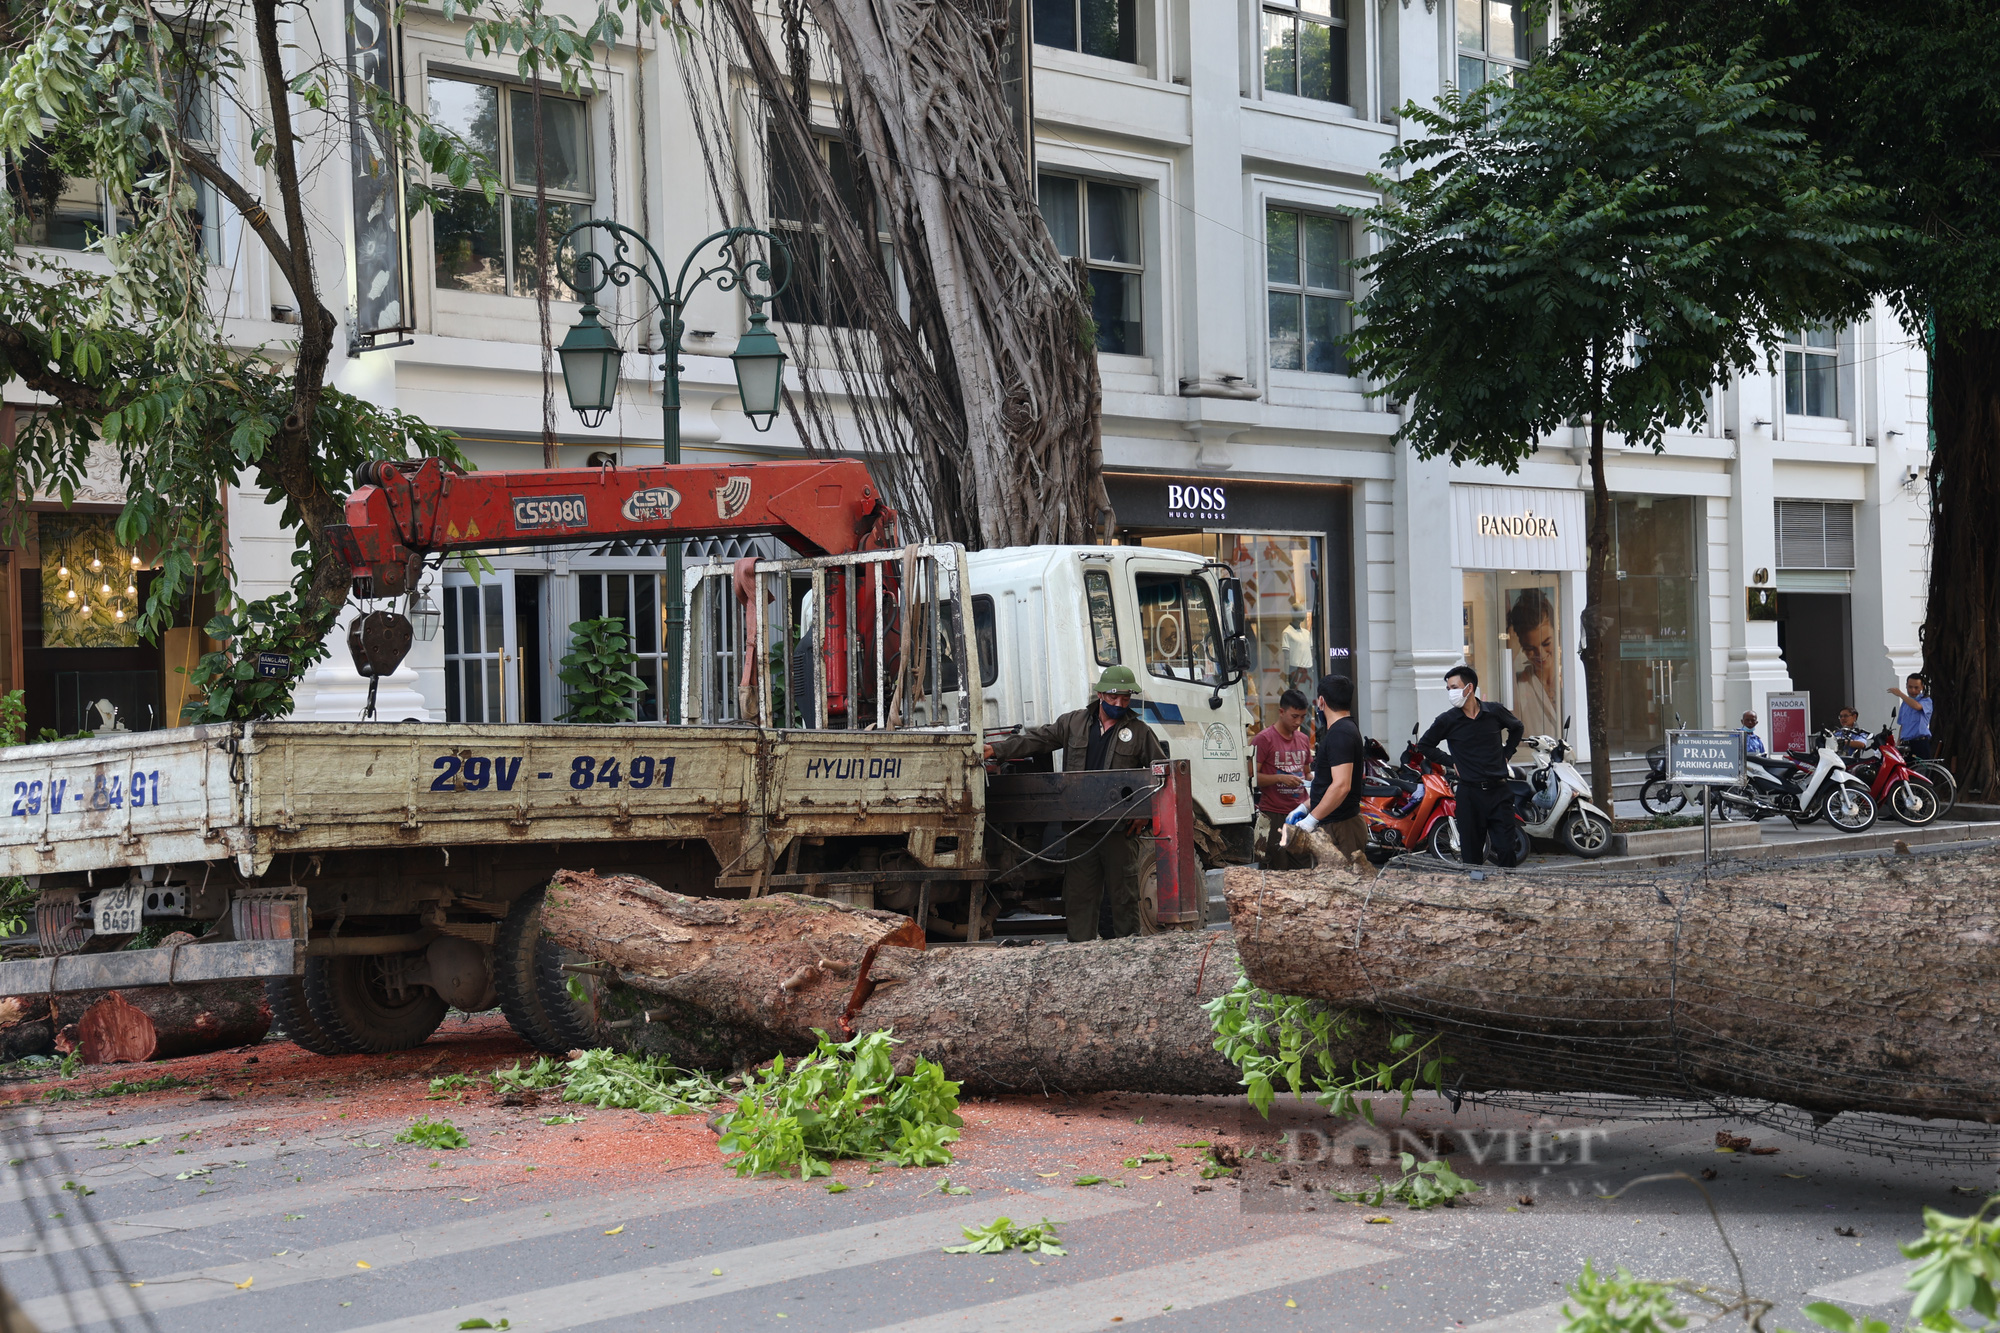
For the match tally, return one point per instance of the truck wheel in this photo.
(534, 990)
(575, 1023)
(516, 972)
(350, 998)
(293, 1019)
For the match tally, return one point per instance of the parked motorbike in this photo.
(1558, 804)
(1894, 784)
(1777, 784)
(1408, 806)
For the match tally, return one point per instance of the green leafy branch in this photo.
(1001, 1235)
(844, 1100)
(1283, 1039)
(1422, 1185)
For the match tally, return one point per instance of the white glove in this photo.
(1306, 823)
(1300, 811)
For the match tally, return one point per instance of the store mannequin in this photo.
(1295, 646)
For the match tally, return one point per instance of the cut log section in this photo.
(731, 983)
(162, 1022)
(146, 1023)
(1860, 984)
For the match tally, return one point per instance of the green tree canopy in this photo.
(1602, 243)
(1905, 91)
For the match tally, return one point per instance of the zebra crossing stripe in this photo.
(216, 1211)
(1163, 1289)
(1539, 1319)
(642, 1290)
(153, 1168)
(1880, 1286)
(172, 1291)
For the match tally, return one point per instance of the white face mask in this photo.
(1457, 697)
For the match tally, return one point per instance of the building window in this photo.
(819, 292)
(1100, 222)
(1815, 534)
(1107, 28)
(1306, 263)
(487, 245)
(65, 209)
(475, 653)
(1305, 49)
(1495, 38)
(638, 601)
(1812, 379)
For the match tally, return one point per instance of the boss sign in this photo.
(1197, 501)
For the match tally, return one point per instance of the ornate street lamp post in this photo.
(591, 356)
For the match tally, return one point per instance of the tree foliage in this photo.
(1601, 243)
(1903, 89)
(129, 349)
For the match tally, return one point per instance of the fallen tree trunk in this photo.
(705, 981)
(147, 1023)
(1865, 983)
(162, 1022)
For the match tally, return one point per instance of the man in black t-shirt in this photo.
(1481, 734)
(1335, 799)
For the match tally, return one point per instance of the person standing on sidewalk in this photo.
(1913, 719)
(1335, 800)
(1284, 757)
(1103, 855)
(1752, 742)
(1481, 735)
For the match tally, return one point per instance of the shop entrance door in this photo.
(1284, 593)
(492, 637)
(1653, 637)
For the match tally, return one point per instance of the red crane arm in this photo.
(400, 512)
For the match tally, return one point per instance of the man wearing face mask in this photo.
(1481, 735)
(1104, 855)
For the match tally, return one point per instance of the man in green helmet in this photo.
(1104, 855)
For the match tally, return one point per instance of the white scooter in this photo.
(1776, 784)
(1558, 804)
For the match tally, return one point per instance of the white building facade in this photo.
(1208, 158)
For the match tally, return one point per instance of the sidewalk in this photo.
(1780, 837)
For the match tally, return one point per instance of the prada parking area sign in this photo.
(1704, 758)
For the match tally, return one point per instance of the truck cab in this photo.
(1048, 619)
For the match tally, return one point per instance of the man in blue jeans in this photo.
(1913, 719)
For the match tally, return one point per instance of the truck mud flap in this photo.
(234, 960)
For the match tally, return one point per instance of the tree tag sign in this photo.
(273, 666)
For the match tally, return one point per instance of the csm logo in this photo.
(732, 497)
(1190, 501)
(652, 504)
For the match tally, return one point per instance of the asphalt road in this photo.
(294, 1209)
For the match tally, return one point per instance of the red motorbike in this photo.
(1896, 787)
(1409, 807)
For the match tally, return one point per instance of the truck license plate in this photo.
(118, 910)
